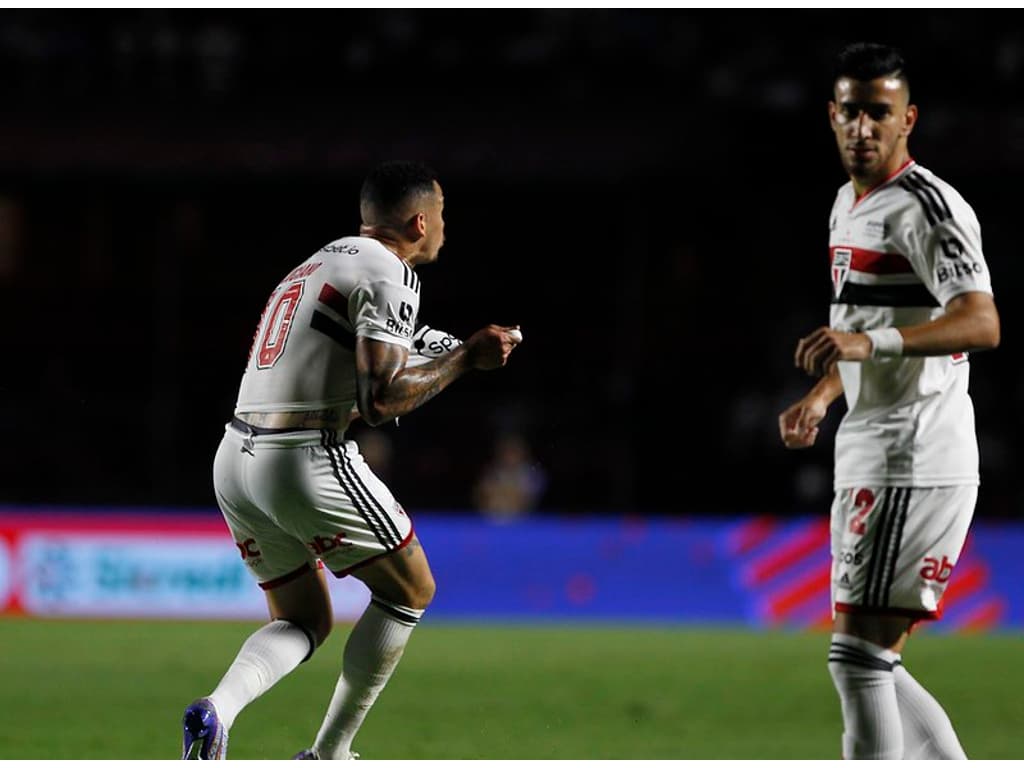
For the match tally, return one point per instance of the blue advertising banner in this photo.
(757, 571)
(754, 571)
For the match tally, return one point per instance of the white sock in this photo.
(270, 653)
(927, 732)
(862, 673)
(372, 652)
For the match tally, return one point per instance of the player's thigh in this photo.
(887, 631)
(402, 577)
(894, 550)
(305, 601)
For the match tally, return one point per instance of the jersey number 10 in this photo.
(275, 324)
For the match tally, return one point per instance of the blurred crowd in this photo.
(645, 192)
(555, 58)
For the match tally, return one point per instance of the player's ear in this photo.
(832, 113)
(416, 227)
(909, 120)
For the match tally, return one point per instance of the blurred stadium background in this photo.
(646, 193)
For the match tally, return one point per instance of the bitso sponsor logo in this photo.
(400, 322)
(957, 264)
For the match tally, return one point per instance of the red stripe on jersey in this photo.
(873, 262)
(334, 299)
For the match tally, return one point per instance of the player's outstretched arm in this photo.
(387, 389)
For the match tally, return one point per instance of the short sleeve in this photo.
(948, 257)
(385, 311)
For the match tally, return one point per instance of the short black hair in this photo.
(389, 186)
(866, 61)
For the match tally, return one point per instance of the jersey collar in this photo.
(898, 172)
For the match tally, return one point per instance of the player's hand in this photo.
(798, 424)
(819, 351)
(490, 347)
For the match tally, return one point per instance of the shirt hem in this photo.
(904, 482)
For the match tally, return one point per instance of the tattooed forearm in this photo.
(383, 400)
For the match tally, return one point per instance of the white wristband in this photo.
(885, 342)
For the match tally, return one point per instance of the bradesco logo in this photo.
(126, 575)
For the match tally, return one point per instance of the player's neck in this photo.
(401, 248)
(864, 185)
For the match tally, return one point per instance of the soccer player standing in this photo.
(335, 335)
(911, 297)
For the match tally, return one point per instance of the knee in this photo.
(316, 627)
(420, 594)
(321, 630)
(415, 594)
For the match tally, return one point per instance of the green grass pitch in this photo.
(116, 690)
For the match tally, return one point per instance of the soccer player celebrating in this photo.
(911, 297)
(335, 336)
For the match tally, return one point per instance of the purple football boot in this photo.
(205, 737)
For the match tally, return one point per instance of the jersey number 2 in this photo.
(277, 323)
(864, 502)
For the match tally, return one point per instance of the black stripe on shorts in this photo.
(370, 500)
(328, 437)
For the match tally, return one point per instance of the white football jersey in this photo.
(303, 355)
(898, 255)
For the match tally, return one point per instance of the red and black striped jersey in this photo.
(897, 255)
(303, 353)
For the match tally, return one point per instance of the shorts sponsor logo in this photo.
(321, 544)
(850, 557)
(937, 570)
(248, 548)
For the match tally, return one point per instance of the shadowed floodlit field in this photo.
(116, 690)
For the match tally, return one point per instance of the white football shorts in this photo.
(894, 549)
(294, 497)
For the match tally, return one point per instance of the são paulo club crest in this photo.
(841, 258)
